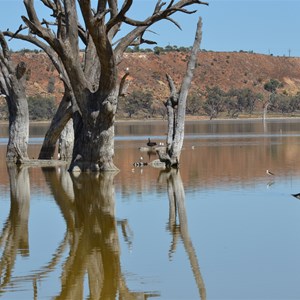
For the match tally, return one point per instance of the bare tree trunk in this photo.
(176, 108)
(62, 116)
(265, 111)
(18, 128)
(66, 142)
(12, 86)
(94, 137)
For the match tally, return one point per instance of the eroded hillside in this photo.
(147, 72)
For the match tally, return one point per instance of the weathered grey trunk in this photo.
(62, 116)
(265, 111)
(176, 108)
(66, 142)
(13, 87)
(94, 136)
(18, 127)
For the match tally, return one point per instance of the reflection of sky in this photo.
(246, 239)
(244, 226)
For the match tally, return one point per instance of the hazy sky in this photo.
(262, 26)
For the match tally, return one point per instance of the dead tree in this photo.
(12, 86)
(95, 81)
(176, 108)
(60, 120)
(67, 105)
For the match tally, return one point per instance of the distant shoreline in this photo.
(188, 119)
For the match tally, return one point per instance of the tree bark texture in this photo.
(94, 141)
(66, 142)
(13, 87)
(176, 107)
(18, 126)
(61, 118)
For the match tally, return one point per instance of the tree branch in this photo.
(192, 61)
(97, 30)
(48, 50)
(174, 94)
(123, 86)
(120, 16)
(158, 14)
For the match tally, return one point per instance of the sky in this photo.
(261, 26)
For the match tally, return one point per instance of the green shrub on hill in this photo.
(41, 108)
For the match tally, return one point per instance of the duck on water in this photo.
(151, 144)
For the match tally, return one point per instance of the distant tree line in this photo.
(212, 102)
(133, 49)
(40, 108)
(158, 50)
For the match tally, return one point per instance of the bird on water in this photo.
(270, 173)
(151, 144)
(296, 195)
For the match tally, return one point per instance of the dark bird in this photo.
(296, 195)
(151, 144)
(270, 173)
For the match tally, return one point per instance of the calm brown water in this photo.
(220, 228)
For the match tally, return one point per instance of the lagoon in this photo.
(220, 228)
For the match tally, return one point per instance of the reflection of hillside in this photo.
(231, 150)
(217, 161)
(209, 163)
(213, 165)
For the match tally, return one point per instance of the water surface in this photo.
(220, 228)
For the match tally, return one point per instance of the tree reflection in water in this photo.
(87, 204)
(14, 236)
(179, 229)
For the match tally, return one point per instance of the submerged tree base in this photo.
(89, 167)
(39, 162)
